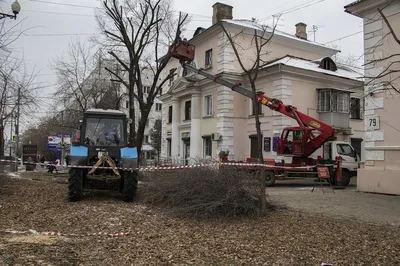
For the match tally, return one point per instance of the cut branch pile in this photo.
(203, 192)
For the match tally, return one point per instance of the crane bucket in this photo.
(183, 51)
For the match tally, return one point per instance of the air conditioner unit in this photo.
(216, 136)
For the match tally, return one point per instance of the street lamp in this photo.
(15, 8)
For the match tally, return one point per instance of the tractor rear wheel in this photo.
(75, 184)
(130, 182)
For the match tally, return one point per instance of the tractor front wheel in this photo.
(75, 184)
(130, 182)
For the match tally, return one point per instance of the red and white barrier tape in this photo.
(144, 169)
(34, 232)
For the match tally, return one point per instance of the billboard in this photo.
(54, 143)
(29, 151)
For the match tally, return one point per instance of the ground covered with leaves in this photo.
(283, 237)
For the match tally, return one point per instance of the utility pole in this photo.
(62, 138)
(17, 128)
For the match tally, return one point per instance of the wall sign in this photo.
(372, 122)
(267, 144)
(275, 143)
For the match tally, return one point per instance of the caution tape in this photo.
(53, 233)
(158, 168)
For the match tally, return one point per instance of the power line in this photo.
(58, 13)
(57, 34)
(63, 4)
(94, 7)
(347, 36)
(294, 8)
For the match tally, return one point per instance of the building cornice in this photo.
(361, 7)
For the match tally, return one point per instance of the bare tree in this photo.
(16, 89)
(73, 70)
(135, 35)
(251, 67)
(387, 80)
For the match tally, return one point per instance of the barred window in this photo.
(333, 101)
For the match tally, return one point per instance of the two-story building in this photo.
(201, 117)
(381, 52)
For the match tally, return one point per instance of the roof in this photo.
(354, 3)
(104, 111)
(254, 25)
(342, 71)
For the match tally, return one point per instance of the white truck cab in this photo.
(350, 159)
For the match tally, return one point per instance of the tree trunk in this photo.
(260, 152)
(132, 128)
(140, 131)
(1, 141)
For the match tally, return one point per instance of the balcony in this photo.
(334, 107)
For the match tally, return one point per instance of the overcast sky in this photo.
(52, 26)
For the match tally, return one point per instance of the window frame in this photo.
(333, 101)
(358, 110)
(170, 109)
(208, 105)
(188, 110)
(208, 58)
(207, 149)
(158, 105)
(169, 147)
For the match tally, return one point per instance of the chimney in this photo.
(220, 12)
(301, 30)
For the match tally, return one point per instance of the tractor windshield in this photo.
(104, 132)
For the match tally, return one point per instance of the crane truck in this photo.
(296, 143)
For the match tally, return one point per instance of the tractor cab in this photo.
(294, 140)
(182, 50)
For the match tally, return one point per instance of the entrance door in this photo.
(186, 151)
(253, 146)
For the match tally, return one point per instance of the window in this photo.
(328, 64)
(259, 108)
(127, 104)
(158, 107)
(345, 149)
(169, 147)
(170, 114)
(207, 146)
(188, 110)
(208, 105)
(104, 132)
(146, 89)
(172, 78)
(146, 139)
(187, 71)
(355, 108)
(208, 61)
(333, 101)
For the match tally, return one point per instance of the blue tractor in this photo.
(101, 157)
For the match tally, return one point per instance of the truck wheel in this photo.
(130, 182)
(345, 179)
(75, 184)
(269, 178)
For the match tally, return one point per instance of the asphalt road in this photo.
(339, 203)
